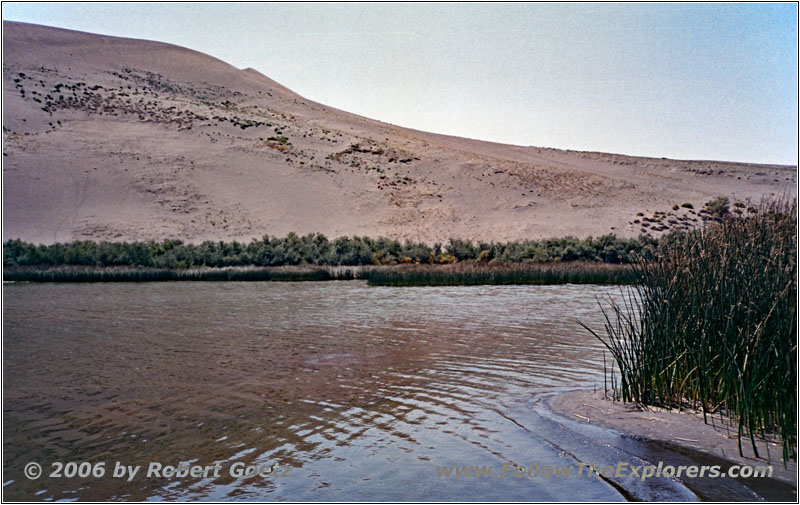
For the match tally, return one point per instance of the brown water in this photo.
(360, 391)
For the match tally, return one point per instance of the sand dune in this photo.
(117, 139)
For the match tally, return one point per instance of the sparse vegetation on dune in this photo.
(711, 323)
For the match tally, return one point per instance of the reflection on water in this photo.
(362, 391)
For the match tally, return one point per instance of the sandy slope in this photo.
(111, 138)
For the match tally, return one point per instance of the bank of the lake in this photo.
(70, 274)
(684, 432)
(460, 274)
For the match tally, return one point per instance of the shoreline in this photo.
(403, 275)
(682, 433)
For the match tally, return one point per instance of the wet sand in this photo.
(684, 433)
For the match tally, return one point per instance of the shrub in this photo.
(718, 206)
(448, 258)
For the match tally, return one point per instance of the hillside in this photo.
(108, 138)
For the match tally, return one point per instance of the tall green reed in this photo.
(711, 323)
(503, 274)
(112, 274)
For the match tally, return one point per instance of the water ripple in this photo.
(362, 391)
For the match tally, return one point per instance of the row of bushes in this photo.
(316, 249)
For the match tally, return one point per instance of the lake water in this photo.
(356, 392)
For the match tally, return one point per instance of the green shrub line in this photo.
(710, 323)
(316, 249)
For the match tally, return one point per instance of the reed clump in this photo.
(711, 323)
(501, 274)
(127, 274)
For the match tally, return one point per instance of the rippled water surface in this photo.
(360, 391)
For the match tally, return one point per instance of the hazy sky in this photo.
(699, 81)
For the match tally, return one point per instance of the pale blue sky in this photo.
(694, 81)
